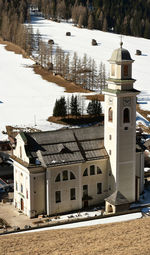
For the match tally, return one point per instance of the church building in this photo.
(70, 169)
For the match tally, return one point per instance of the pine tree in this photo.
(94, 108)
(60, 108)
(74, 106)
(90, 22)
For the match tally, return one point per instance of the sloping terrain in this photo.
(126, 238)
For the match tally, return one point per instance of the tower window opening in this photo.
(126, 115)
(125, 70)
(113, 70)
(110, 114)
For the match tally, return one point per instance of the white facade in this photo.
(120, 124)
(43, 188)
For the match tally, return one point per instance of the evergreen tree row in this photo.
(75, 107)
(12, 16)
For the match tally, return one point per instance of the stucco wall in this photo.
(21, 176)
(66, 204)
(19, 150)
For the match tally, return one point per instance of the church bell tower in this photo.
(120, 123)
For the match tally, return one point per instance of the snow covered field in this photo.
(80, 42)
(28, 100)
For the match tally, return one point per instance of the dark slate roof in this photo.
(117, 198)
(66, 146)
(120, 54)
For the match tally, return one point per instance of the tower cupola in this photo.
(121, 70)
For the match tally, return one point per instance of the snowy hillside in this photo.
(80, 41)
(28, 100)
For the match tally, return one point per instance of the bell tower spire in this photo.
(120, 123)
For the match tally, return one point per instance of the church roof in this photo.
(120, 54)
(117, 198)
(66, 146)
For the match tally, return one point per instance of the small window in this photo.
(22, 174)
(58, 196)
(126, 115)
(72, 194)
(57, 178)
(26, 193)
(65, 175)
(21, 188)
(112, 70)
(85, 190)
(16, 186)
(20, 152)
(99, 171)
(85, 172)
(92, 170)
(109, 152)
(110, 137)
(125, 70)
(72, 176)
(99, 188)
(110, 114)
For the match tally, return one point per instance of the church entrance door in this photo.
(86, 204)
(22, 204)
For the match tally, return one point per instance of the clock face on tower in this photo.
(110, 100)
(126, 101)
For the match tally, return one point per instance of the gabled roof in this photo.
(117, 198)
(66, 146)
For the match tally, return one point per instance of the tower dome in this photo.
(120, 55)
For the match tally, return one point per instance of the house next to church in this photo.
(70, 169)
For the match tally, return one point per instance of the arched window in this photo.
(99, 171)
(72, 176)
(57, 178)
(85, 172)
(110, 114)
(126, 115)
(65, 175)
(92, 170)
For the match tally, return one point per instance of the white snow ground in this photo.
(26, 98)
(80, 42)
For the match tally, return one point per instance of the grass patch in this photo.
(13, 47)
(3, 223)
(81, 120)
(69, 86)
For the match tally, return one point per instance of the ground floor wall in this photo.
(73, 187)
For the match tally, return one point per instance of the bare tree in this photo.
(74, 67)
